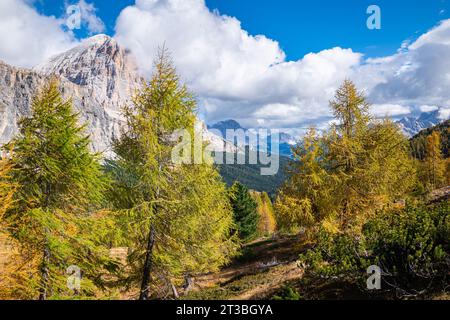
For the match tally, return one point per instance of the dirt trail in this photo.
(264, 267)
(276, 277)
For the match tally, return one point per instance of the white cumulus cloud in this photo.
(426, 108)
(444, 113)
(389, 110)
(27, 37)
(248, 78)
(235, 74)
(418, 76)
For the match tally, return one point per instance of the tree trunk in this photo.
(188, 283)
(146, 279)
(44, 274)
(174, 291)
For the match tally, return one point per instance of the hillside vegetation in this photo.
(418, 142)
(250, 175)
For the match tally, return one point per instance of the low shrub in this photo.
(411, 246)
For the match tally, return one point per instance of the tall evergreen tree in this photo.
(178, 216)
(59, 185)
(6, 201)
(447, 171)
(369, 160)
(346, 144)
(14, 266)
(245, 212)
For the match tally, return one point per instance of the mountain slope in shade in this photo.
(250, 176)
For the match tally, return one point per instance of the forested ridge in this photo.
(250, 175)
(418, 142)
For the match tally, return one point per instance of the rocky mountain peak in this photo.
(223, 126)
(412, 125)
(98, 75)
(98, 63)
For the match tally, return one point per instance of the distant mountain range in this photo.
(286, 141)
(410, 126)
(413, 125)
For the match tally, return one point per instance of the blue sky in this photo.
(302, 26)
(107, 10)
(310, 26)
(263, 63)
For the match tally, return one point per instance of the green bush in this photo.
(412, 248)
(287, 293)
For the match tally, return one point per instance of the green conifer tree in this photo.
(267, 224)
(59, 184)
(307, 195)
(245, 212)
(6, 186)
(176, 217)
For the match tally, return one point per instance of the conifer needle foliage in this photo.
(59, 188)
(245, 212)
(176, 217)
(359, 165)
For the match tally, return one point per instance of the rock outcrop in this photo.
(98, 75)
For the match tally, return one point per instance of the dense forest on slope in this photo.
(250, 176)
(418, 142)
